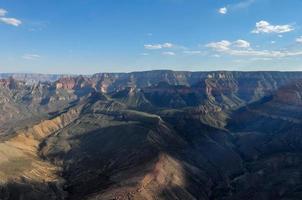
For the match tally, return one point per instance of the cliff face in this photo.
(229, 89)
(290, 94)
(25, 104)
(152, 135)
(248, 81)
(252, 84)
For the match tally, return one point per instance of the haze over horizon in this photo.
(90, 36)
(4, 74)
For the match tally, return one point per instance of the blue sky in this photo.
(89, 36)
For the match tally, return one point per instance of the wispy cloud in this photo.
(158, 46)
(8, 20)
(266, 27)
(299, 40)
(262, 59)
(229, 48)
(168, 53)
(241, 5)
(31, 56)
(216, 56)
(2, 12)
(192, 52)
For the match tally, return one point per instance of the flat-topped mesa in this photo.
(72, 83)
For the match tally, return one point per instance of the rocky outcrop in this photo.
(11, 83)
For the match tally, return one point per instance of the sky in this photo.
(90, 36)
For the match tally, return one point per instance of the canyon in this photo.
(160, 134)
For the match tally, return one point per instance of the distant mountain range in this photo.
(161, 134)
(155, 74)
(31, 78)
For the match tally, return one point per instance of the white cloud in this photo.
(242, 44)
(167, 45)
(299, 39)
(31, 56)
(158, 46)
(263, 59)
(266, 27)
(192, 52)
(144, 54)
(152, 46)
(169, 53)
(280, 36)
(10, 21)
(226, 47)
(223, 10)
(2, 12)
(220, 46)
(216, 56)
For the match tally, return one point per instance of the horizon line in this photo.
(169, 70)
